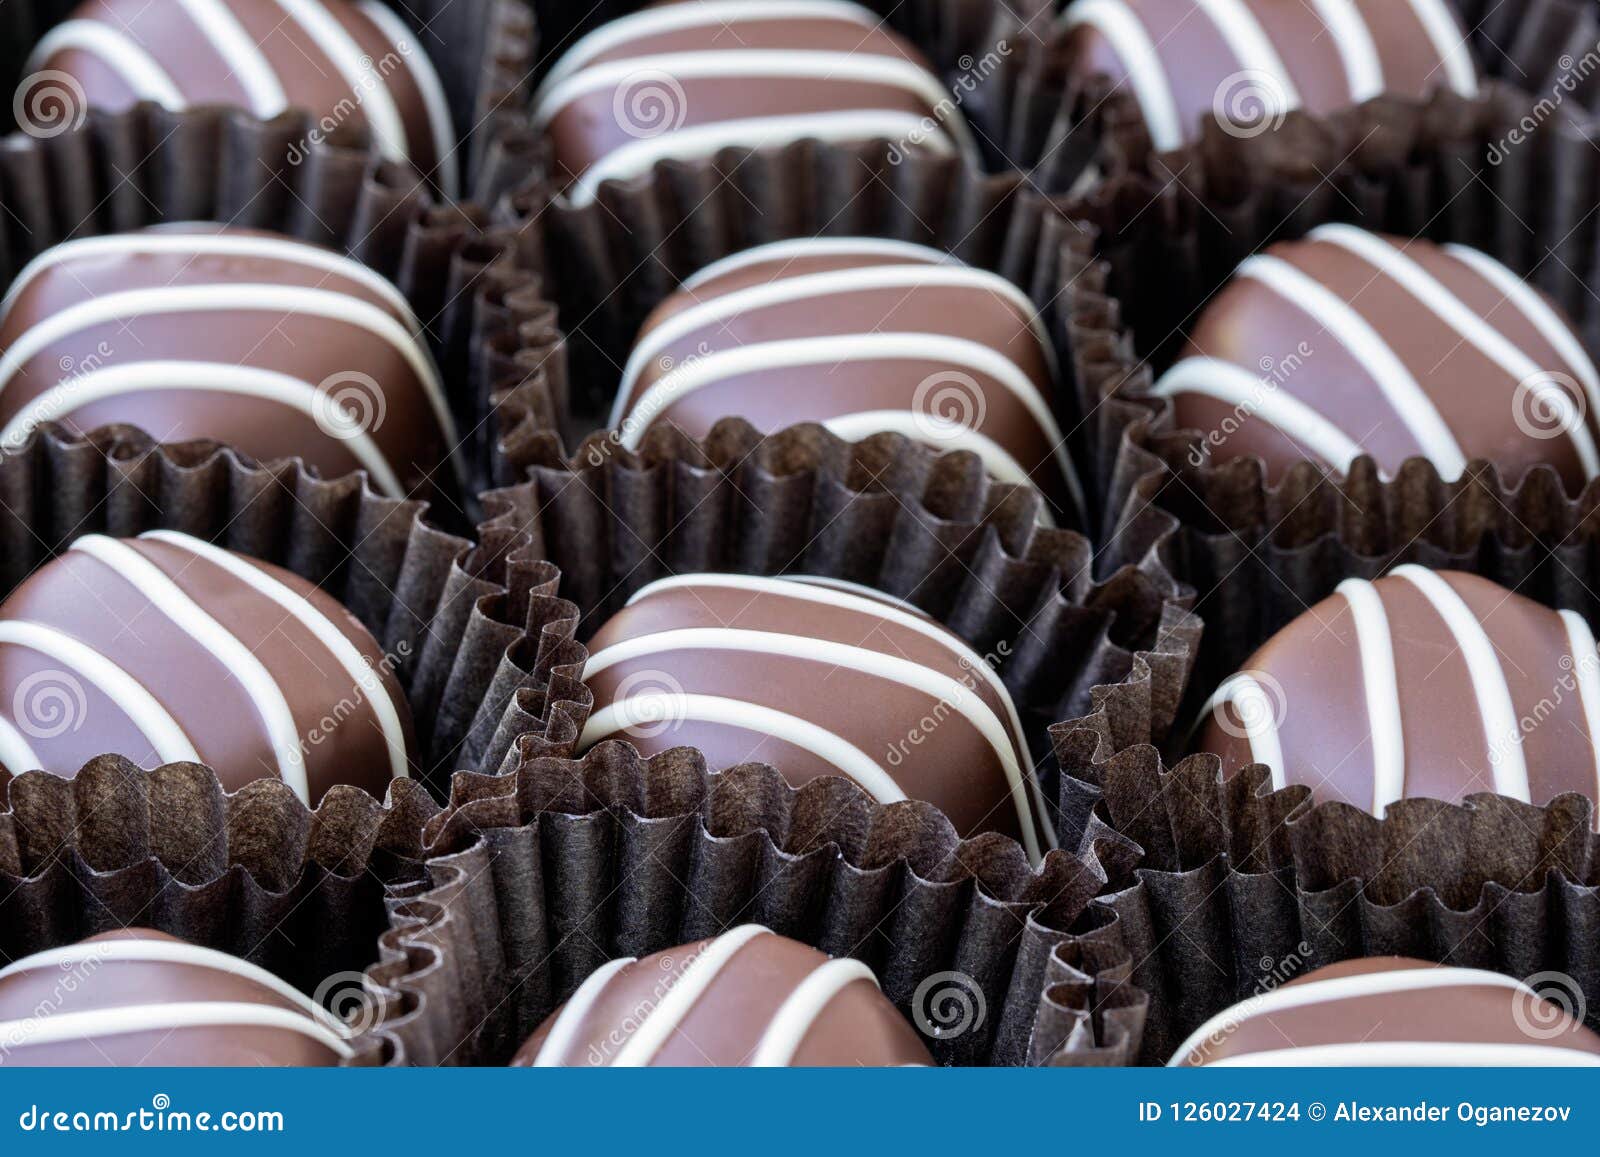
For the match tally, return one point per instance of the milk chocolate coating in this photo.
(265, 343)
(1349, 342)
(1245, 60)
(684, 80)
(1421, 684)
(816, 680)
(1389, 1011)
(164, 648)
(862, 335)
(139, 998)
(748, 997)
(348, 64)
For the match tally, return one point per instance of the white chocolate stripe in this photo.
(1537, 310)
(1451, 46)
(1435, 296)
(1416, 1054)
(639, 157)
(1363, 67)
(241, 663)
(832, 749)
(214, 244)
(291, 301)
(713, 13)
(153, 721)
(365, 679)
(829, 285)
(109, 952)
(1344, 988)
(996, 460)
(1131, 41)
(1251, 46)
(1499, 713)
(1367, 346)
(118, 52)
(939, 687)
(802, 247)
(759, 64)
(1244, 692)
(788, 1027)
(428, 85)
(1375, 644)
(16, 753)
(564, 1033)
(1586, 669)
(243, 56)
(868, 601)
(163, 1018)
(134, 377)
(646, 1040)
(358, 70)
(697, 373)
(1238, 387)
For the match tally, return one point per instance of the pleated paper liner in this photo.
(482, 50)
(253, 874)
(470, 271)
(1242, 888)
(535, 879)
(483, 649)
(1150, 247)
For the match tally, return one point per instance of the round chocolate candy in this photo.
(1432, 684)
(748, 997)
(817, 678)
(862, 335)
(345, 63)
(139, 999)
(166, 648)
(1248, 62)
(1351, 343)
(276, 347)
(1390, 1011)
(685, 80)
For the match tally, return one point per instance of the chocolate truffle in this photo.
(1432, 684)
(344, 63)
(165, 648)
(1351, 343)
(139, 998)
(817, 678)
(1251, 61)
(685, 80)
(276, 347)
(749, 997)
(862, 335)
(1389, 1011)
